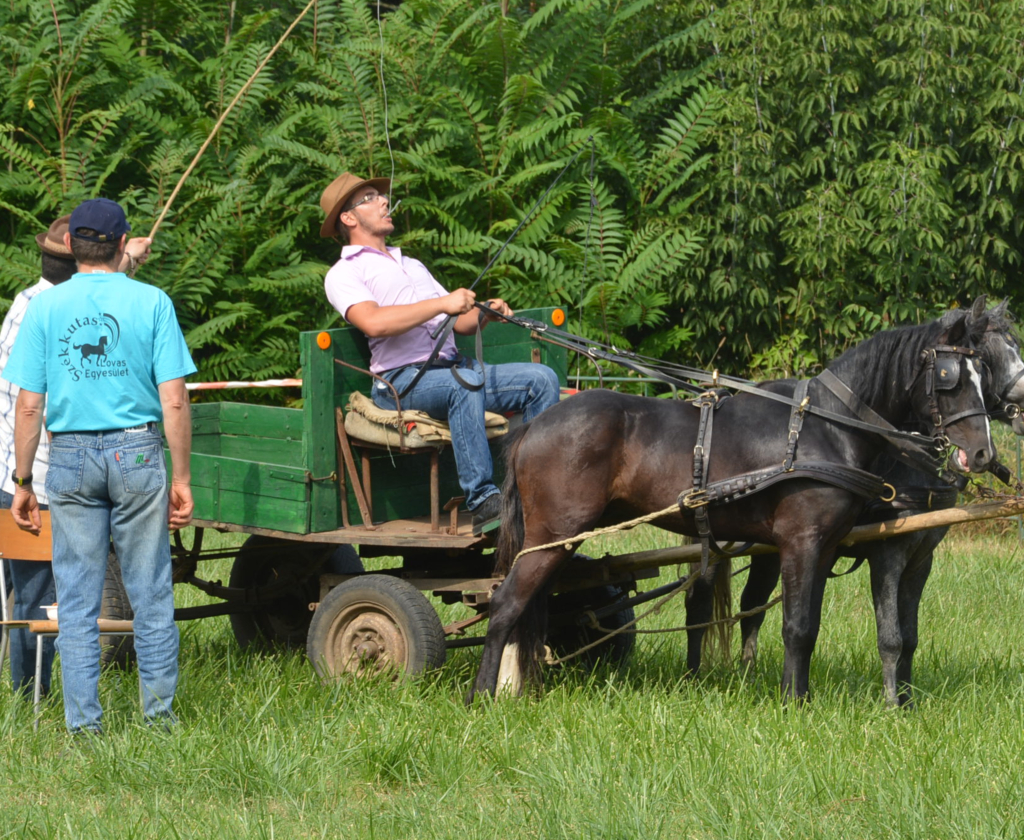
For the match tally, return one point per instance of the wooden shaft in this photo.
(907, 524)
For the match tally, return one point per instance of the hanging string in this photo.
(586, 252)
(384, 89)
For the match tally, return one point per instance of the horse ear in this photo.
(977, 320)
(957, 329)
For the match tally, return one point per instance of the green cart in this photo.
(308, 494)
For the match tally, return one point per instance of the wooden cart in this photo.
(308, 494)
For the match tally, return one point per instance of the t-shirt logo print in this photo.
(100, 336)
(93, 349)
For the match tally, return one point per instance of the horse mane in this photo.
(890, 359)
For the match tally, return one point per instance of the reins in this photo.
(444, 329)
(914, 448)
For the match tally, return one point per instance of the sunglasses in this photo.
(366, 199)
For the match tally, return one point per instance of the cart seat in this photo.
(365, 421)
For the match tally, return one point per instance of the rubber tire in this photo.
(284, 622)
(116, 651)
(398, 629)
(570, 638)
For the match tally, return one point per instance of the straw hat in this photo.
(52, 242)
(339, 192)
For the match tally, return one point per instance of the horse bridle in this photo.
(943, 374)
(1003, 407)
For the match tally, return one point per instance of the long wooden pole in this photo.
(227, 111)
(862, 533)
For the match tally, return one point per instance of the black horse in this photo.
(602, 457)
(899, 566)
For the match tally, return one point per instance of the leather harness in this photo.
(940, 374)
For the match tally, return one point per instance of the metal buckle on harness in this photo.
(892, 495)
(696, 499)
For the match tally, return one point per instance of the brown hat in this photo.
(52, 242)
(339, 192)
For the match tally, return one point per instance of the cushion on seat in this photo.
(365, 421)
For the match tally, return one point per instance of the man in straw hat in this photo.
(396, 302)
(107, 354)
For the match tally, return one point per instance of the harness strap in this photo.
(911, 448)
(796, 420)
(707, 402)
(733, 489)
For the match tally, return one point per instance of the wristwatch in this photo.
(21, 482)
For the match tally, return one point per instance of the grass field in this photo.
(265, 751)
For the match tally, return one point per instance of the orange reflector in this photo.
(558, 317)
(323, 341)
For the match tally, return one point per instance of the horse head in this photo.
(1004, 368)
(948, 390)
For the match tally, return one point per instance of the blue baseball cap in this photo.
(101, 215)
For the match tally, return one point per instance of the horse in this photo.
(603, 457)
(93, 349)
(899, 566)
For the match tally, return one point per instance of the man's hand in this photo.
(498, 305)
(139, 248)
(180, 506)
(136, 252)
(25, 510)
(458, 302)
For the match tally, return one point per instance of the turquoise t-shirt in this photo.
(98, 346)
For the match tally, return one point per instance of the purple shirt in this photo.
(363, 274)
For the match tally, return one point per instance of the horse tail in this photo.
(718, 641)
(513, 532)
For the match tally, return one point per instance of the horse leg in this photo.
(513, 606)
(887, 563)
(805, 563)
(911, 589)
(699, 609)
(762, 579)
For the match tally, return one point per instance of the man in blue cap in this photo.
(107, 355)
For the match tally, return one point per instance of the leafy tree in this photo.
(478, 108)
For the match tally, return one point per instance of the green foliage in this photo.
(481, 106)
(864, 170)
(771, 181)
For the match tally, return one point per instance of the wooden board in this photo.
(16, 544)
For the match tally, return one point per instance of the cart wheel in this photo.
(373, 624)
(116, 651)
(570, 637)
(283, 619)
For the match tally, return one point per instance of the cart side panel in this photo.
(401, 483)
(250, 493)
(247, 466)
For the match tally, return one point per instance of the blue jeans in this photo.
(516, 387)
(105, 485)
(32, 582)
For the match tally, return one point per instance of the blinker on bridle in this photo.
(943, 375)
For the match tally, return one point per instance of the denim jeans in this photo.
(105, 485)
(32, 582)
(516, 387)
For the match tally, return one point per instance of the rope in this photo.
(683, 587)
(223, 116)
(629, 627)
(569, 544)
